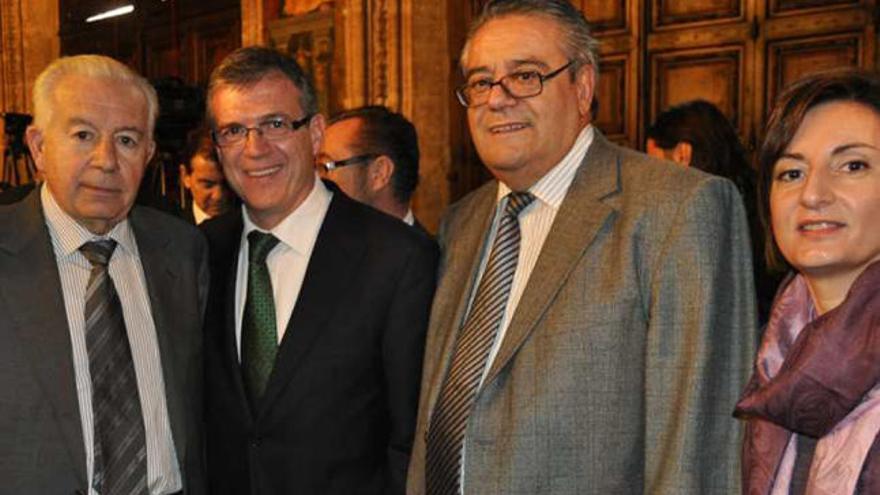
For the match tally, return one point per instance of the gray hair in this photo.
(92, 66)
(249, 65)
(578, 42)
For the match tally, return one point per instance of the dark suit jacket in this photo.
(339, 410)
(628, 348)
(41, 441)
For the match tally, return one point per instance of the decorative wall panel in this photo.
(789, 60)
(667, 13)
(713, 74)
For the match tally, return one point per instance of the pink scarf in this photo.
(818, 377)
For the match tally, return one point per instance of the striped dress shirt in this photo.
(163, 474)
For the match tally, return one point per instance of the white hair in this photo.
(95, 66)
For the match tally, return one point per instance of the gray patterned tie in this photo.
(474, 342)
(120, 462)
(259, 336)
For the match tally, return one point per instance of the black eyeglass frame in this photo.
(543, 78)
(293, 125)
(331, 165)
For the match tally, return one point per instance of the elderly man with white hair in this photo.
(102, 302)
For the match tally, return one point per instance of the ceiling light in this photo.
(127, 9)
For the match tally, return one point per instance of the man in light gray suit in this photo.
(101, 304)
(594, 319)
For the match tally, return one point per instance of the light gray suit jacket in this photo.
(41, 442)
(630, 345)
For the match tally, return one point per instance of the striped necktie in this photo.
(259, 336)
(120, 459)
(474, 342)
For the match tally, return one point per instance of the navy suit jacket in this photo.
(339, 410)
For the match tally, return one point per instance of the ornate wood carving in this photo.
(14, 94)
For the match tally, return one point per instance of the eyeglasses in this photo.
(520, 84)
(273, 129)
(331, 165)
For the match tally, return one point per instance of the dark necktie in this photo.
(473, 344)
(259, 338)
(120, 461)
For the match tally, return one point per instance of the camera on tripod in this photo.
(18, 166)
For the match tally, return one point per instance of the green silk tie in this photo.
(259, 339)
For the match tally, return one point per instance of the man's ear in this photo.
(585, 80)
(34, 138)
(184, 177)
(683, 153)
(151, 149)
(316, 132)
(379, 173)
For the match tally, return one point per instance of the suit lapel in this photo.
(36, 306)
(453, 295)
(577, 223)
(333, 264)
(161, 265)
(229, 267)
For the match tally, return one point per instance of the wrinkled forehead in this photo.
(105, 100)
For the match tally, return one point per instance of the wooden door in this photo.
(801, 37)
(701, 49)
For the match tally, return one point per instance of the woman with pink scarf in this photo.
(812, 408)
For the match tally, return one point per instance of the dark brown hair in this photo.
(249, 65)
(383, 132)
(852, 85)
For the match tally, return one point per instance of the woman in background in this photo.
(812, 408)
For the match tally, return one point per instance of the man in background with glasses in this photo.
(318, 306)
(594, 316)
(372, 154)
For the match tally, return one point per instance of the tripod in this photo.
(18, 165)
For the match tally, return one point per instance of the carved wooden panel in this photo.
(667, 13)
(789, 60)
(611, 93)
(792, 6)
(14, 94)
(607, 15)
(713, 74)
(384, 53)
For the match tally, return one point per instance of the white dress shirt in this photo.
(127, 273)
(409, 218)
(534, 225)
(199, 214)
(287, 262)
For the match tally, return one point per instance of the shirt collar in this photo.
(551, 188)
(199, 214)
(307, 217)
(68, 235)
(409, 218)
